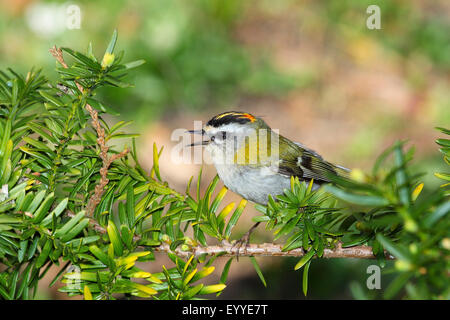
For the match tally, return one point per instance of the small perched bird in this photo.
(254, 161)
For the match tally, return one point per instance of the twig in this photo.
(271, 249)
(57, 54)
(100, 187)
(264, 249)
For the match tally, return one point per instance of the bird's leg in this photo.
(244, 241)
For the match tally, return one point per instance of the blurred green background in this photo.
(312, 69)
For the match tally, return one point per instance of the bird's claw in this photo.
(243, 242)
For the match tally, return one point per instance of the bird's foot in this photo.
(241, 244)
(244, 241)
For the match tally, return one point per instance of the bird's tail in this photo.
(342, 171)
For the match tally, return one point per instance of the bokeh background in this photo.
(312, 69)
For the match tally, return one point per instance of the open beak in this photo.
(202, 132)
(198, 143)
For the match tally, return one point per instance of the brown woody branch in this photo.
(100, 187)
(272, 250)
(264, 249)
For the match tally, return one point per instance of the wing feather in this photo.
(299, 161)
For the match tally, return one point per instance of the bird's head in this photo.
(228, 132)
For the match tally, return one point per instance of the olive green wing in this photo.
(299, 161)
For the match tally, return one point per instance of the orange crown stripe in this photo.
(249, 116)
(237, 114)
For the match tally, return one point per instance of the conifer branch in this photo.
(273, 250)
(100, 187)
(227, 249)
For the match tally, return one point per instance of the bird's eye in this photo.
(224, 135)
(213, 138)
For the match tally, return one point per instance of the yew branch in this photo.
(265, 249)
(100, 187)
(271, 249)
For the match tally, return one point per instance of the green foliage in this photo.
(444, 145)
(411, 227)
(50, 166)
(51, 161)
